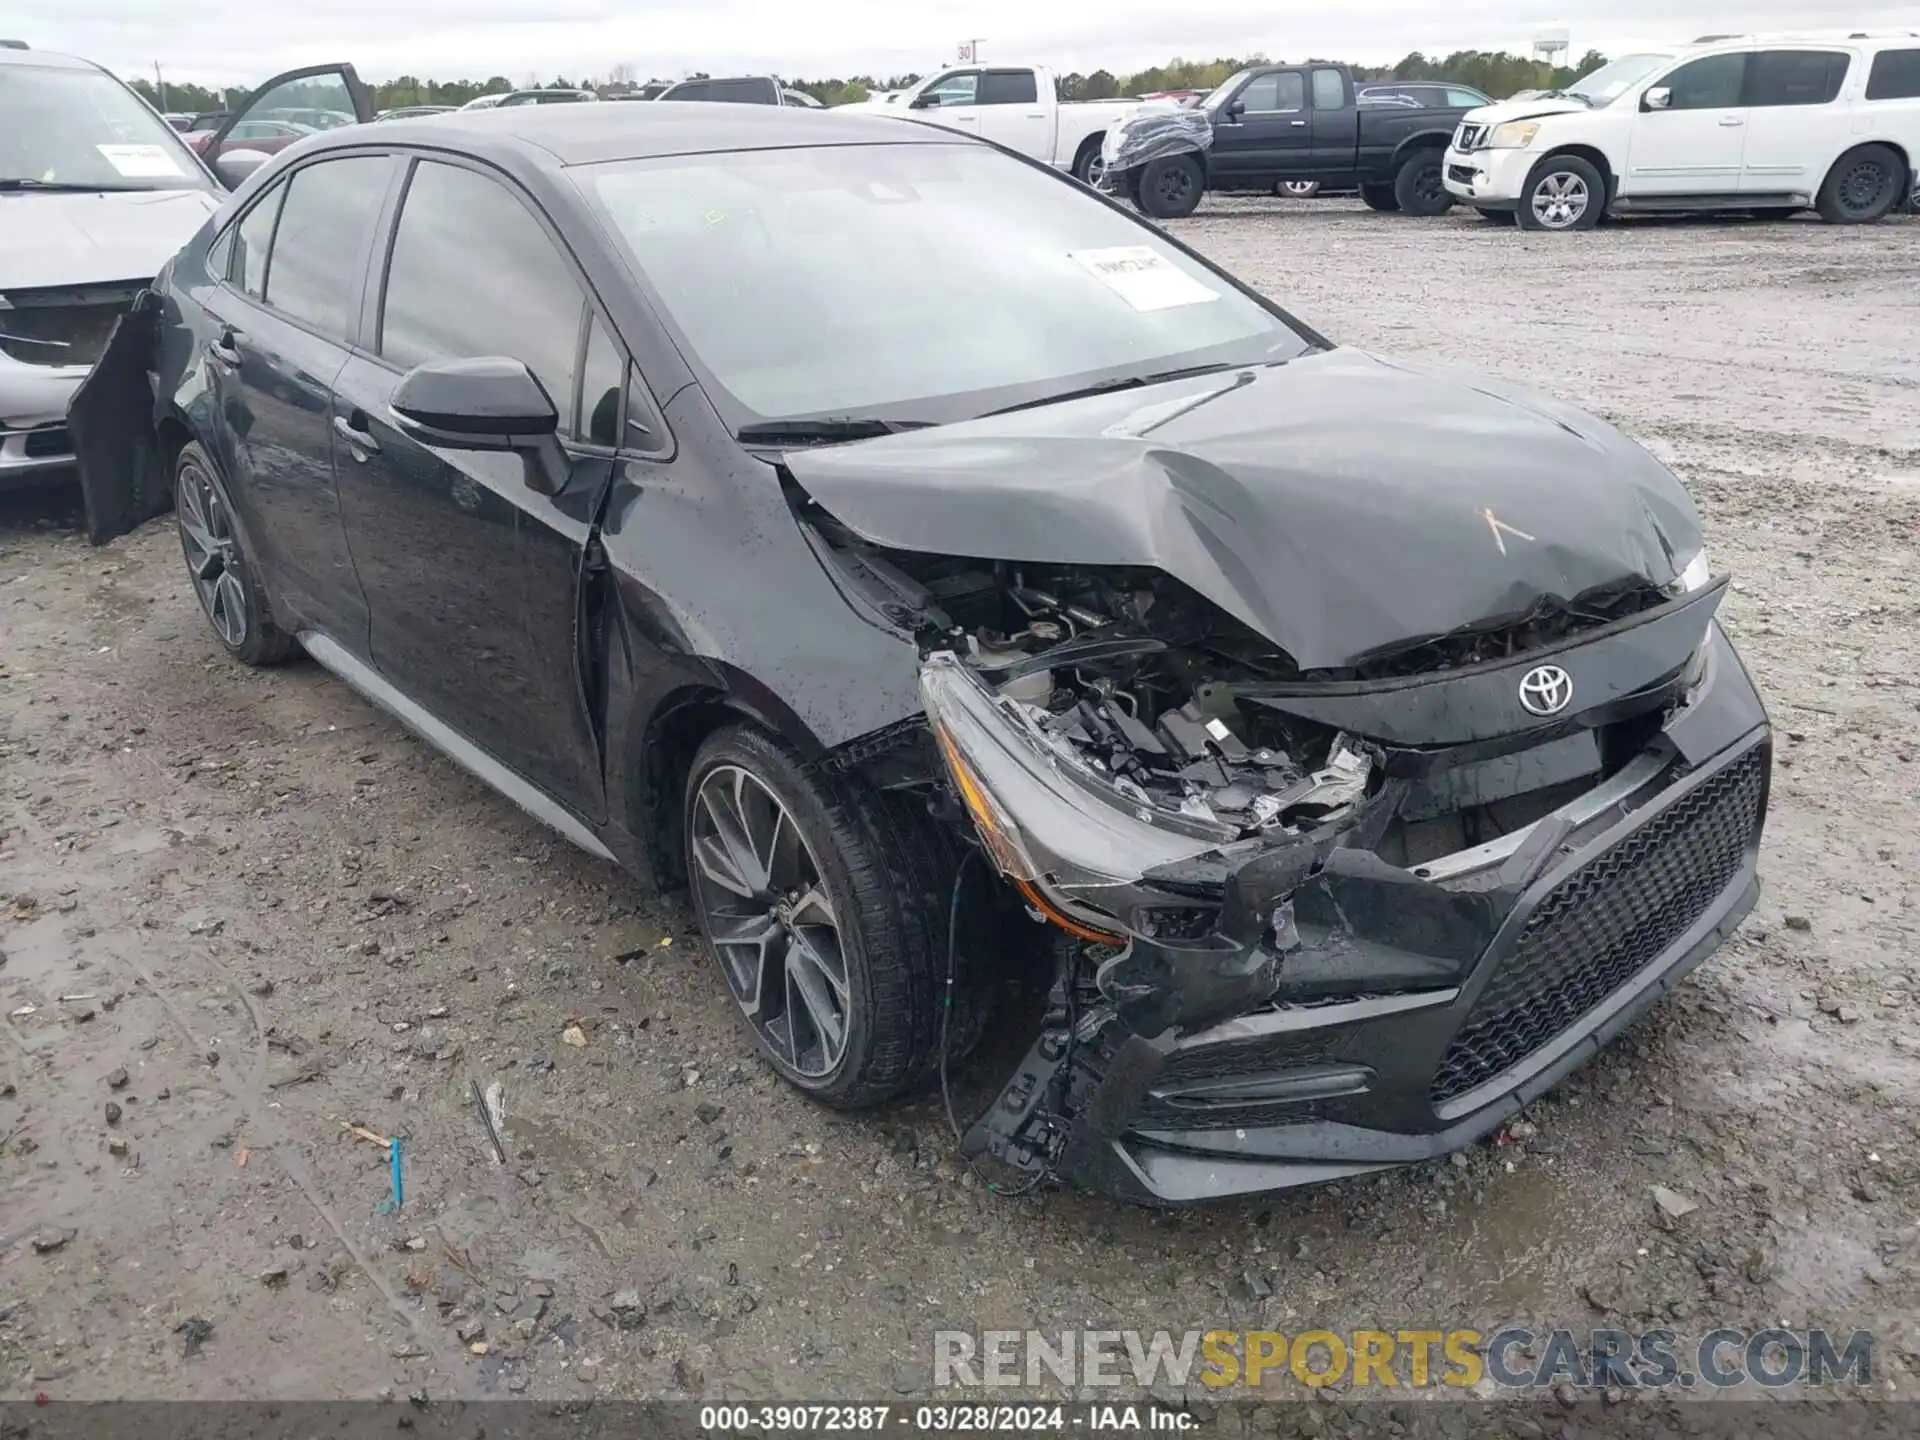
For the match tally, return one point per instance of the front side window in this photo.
(921, 281)
(746, 92)
(474, 274)
(1279, 92)
(1329, 90)
(603, 374)
(1710, 83)
(960, 88)
(81, 129)
(694, 90)
(1795, 77)
(320, 102)
(1466, 99)
(1008, 87)
(315, 267)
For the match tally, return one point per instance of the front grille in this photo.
(1605, 923)
(61, 327)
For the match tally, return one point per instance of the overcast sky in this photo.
(242, 41)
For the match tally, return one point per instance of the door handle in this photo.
(1296, 123)
(223, 349)
(362, 442)
(1036, 114)
(1731, 120)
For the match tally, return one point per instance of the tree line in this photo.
(1497, 73)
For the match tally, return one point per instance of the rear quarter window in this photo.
(1895, 75)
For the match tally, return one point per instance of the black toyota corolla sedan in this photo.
(949, 578)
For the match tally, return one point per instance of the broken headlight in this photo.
(1047, 826)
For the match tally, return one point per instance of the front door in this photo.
(952, 100)
(1264, 132)
(1796, 123)
(472, 576)
(1695, 144)
(291, 104)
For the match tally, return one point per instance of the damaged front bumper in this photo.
(1340, 1014)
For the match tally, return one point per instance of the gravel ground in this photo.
(285, 916)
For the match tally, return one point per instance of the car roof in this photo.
(589, 134)
(46, 59)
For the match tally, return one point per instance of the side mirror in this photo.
(1236, 108)
(1659, 98)
(232, 167)
(493, 403)
(925, 100)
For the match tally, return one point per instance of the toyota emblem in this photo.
(1546, 690)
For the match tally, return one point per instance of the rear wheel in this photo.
(225, 582)
(1087, 168)
(1170, 188)
(825, 905)
(1564, 192)
(1379, 197)
(1863, 186)
(1297, 189)
(1421, 187)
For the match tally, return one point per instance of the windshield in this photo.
(920, 281)
(83, 128)
(1605, 85)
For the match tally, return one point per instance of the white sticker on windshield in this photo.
(141, 162)
(1142, 277)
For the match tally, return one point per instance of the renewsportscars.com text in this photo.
(1512, 1359)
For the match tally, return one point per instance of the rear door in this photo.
(1336, 122)
(335, 90)
(1013, 114)
(473, 578)
(1264, 132)
(1695, 145)
(279, 332)
(1796, 121)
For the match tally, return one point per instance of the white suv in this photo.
(1756, 123)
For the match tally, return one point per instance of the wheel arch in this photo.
(1422, 140)
(653, 763)
(1593, 156)
(1857, 143)
(1080, 152)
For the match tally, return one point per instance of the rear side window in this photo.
(1895, 75)
(460, 233)
(314, 272)
(1008, 87)
(1329, 90)
(699, 90)
(1470, 99)
(252, 237)
(746, 92)
(1710, 83)
(1795, 77)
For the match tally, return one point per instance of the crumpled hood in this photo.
(1505, 110)
(50, 239)
(1339, 504)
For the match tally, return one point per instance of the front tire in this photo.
(1379, 197)
(1563, 193)
(1421, 186)
(825, 906)
(224, 580)
(1864, 185)
(1171, 187)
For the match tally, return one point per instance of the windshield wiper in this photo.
(25, 182)
(1121, 382)
(823, 431)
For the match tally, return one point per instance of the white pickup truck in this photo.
(1015, 106)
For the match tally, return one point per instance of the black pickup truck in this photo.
(1277, 123)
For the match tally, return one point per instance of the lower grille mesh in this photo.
(1605, 923)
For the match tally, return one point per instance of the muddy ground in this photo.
(284, 915)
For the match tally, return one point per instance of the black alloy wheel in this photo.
(1863, 186)
(217, 565)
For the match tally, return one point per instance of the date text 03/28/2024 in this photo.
(955, 1418)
